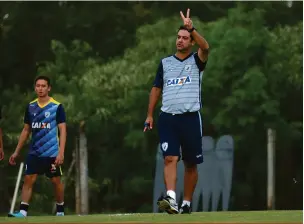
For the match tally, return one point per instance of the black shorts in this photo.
(42, 165)
(181, 135)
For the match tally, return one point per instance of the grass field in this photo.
(197, 217)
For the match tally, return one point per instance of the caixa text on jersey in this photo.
(41, 125)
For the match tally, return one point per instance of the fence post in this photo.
(270, 169)
(83, 171)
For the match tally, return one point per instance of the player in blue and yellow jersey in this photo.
(45, 119)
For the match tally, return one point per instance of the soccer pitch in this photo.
(196, 217)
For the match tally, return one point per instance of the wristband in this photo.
(191, 30)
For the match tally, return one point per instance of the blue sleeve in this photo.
(159, 79)
(26, 118)
(60, 114)
(201, 65)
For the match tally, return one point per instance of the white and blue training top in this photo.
(180, 81)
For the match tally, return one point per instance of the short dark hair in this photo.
(184, 28)
(43, 77)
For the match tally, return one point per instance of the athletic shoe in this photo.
(168, 205)
(16, 215)
(185, 209)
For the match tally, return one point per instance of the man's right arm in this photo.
(154, 96)
(23, 137)
(25, 131)
(156, 89)
(153, 99)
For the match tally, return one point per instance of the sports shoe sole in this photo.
(11, 215)
(164, 205)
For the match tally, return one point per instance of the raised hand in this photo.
(187, 21)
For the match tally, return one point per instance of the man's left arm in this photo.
(203, 50)
(61, 121)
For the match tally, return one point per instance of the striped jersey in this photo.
(180, 81)
(44, 121)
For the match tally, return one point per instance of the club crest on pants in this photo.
(53, 168)
(164, 146)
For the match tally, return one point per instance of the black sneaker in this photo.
(185, 209)
(168, 205)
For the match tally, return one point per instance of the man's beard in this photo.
(183, 50)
